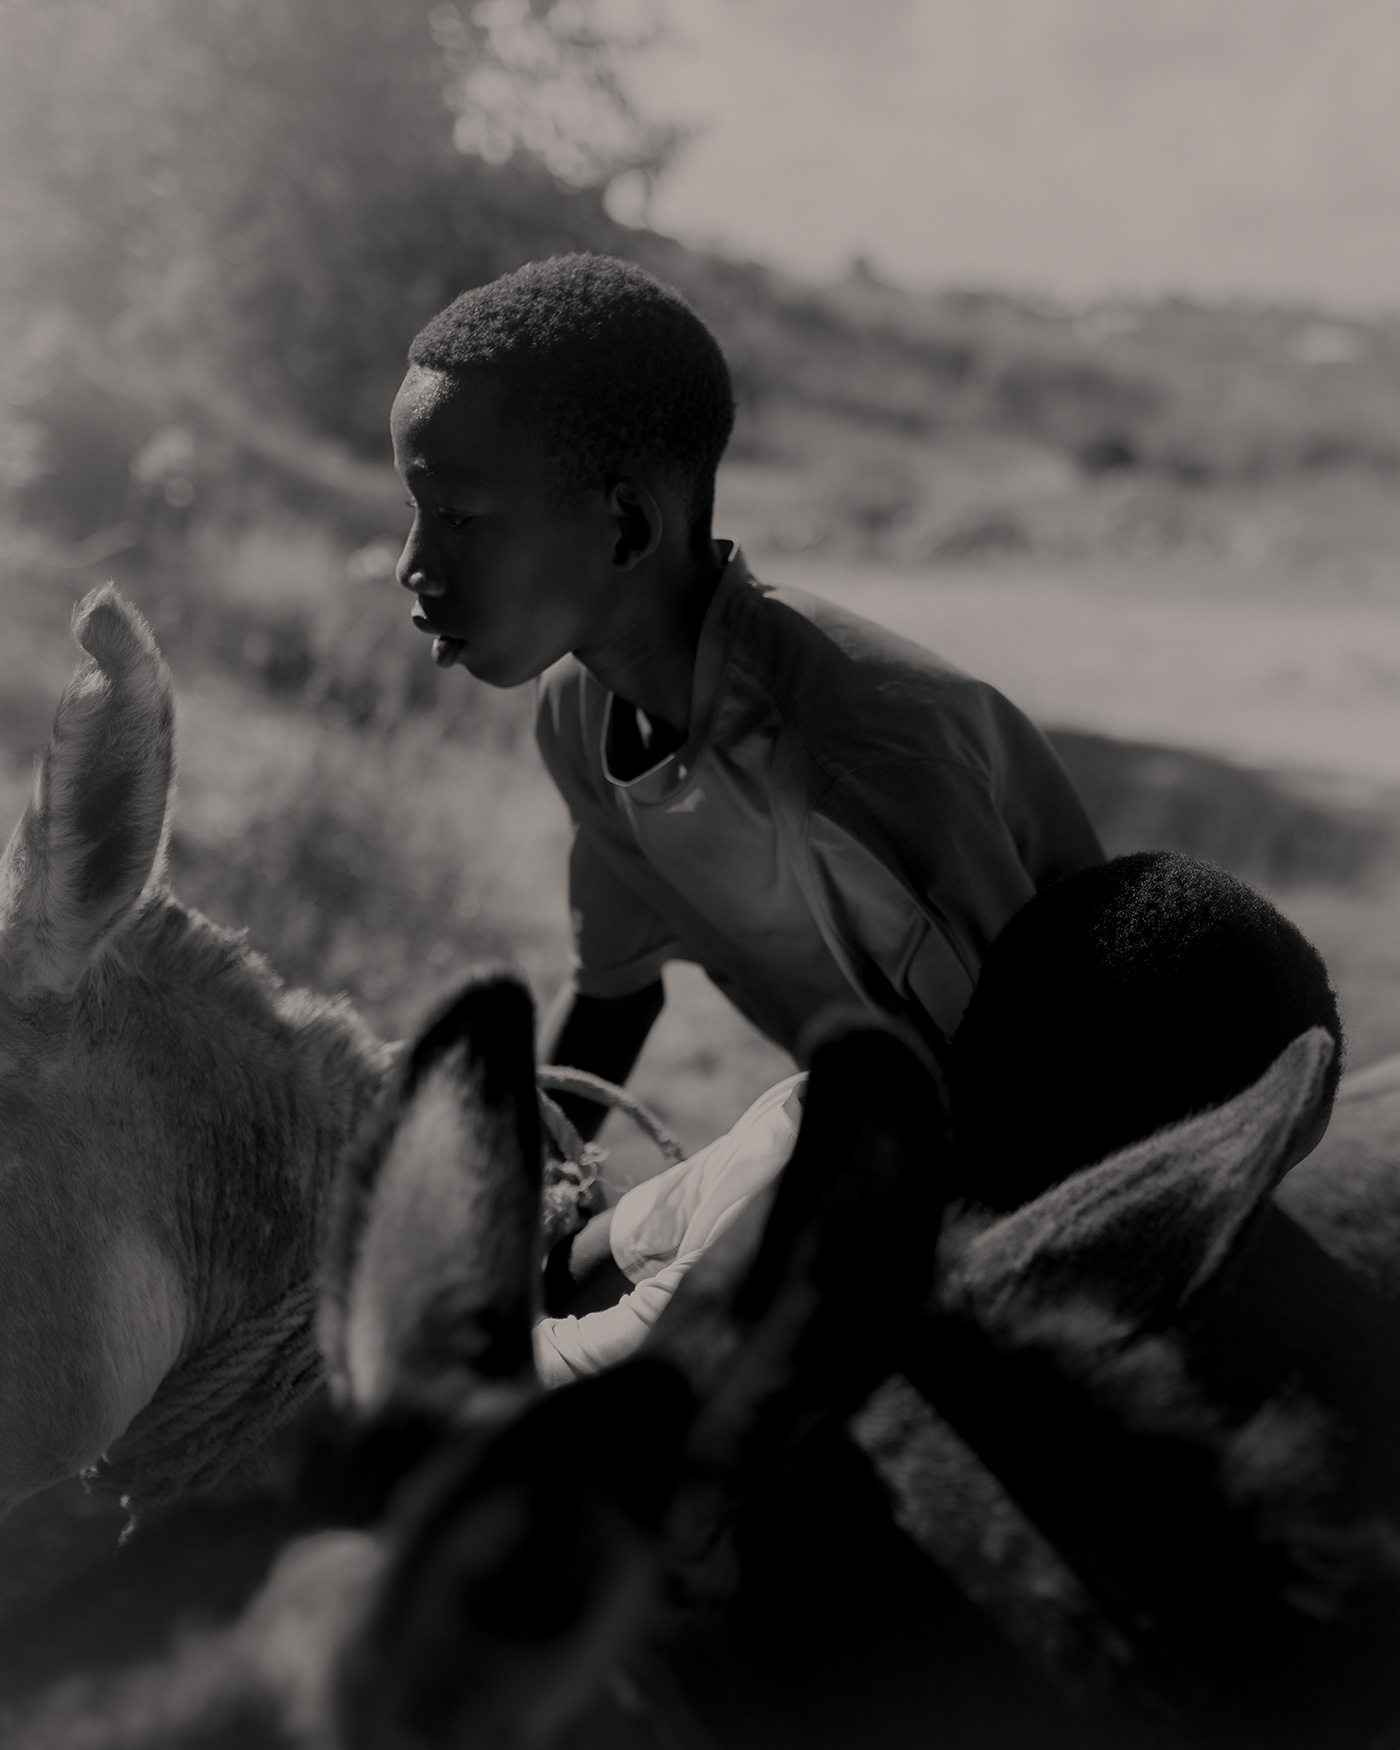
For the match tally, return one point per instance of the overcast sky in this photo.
(1080, 147)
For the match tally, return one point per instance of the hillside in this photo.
(872, 422)
(962, 424)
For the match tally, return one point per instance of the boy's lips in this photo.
(446, 648)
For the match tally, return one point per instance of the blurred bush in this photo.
(384, 865)
(275, 187)
(221, 222)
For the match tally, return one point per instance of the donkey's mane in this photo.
(264, 1083)
(170, 943)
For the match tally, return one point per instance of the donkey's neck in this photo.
(245, 1093)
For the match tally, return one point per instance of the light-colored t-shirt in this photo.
(660, 1227)
(849, 817)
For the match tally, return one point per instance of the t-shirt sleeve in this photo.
(620, 943)
(901, 959)
(968, 853)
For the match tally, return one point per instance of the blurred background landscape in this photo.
(1168, 526)
(1165, 520)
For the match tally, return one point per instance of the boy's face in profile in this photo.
(508, 575)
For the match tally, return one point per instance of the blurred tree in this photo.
(284, 190)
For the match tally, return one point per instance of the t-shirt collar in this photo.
(667, 776)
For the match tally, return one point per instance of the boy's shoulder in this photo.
(791, 631)
(855, 692)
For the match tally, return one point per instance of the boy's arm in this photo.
(601, 1034)
(621, 943)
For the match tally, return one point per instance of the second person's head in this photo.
(1116, 1002)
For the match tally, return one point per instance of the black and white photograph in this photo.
(699, 875)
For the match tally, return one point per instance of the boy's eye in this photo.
(453, 519)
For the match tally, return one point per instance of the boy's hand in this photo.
(602, 1034)
(446, 650)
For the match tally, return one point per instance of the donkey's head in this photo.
(168, 1114)
(510, 1588)
(523, 1560)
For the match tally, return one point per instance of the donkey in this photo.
(1183, 1389)
(170, 1117)
(688, 1548)
(1347, 1193)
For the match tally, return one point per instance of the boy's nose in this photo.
(411, 575)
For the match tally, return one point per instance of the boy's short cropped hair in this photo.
(607, 367)
(1117, 1001)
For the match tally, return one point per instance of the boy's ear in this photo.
(1139, 1234)
(639, 521)
(92, 838)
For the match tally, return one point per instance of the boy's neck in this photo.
(649, 657)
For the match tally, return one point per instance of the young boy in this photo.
(806, 805)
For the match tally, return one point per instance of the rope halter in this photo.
(215, 1412)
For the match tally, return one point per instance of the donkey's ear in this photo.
(841, 1269)
(432, 1264)
(92, 838)
(1139, 1234)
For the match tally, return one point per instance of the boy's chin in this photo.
(482, 665)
